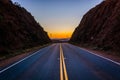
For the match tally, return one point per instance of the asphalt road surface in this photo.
(62, 61)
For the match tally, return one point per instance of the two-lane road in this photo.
(62, 62)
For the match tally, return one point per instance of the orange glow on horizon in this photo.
(60, 35)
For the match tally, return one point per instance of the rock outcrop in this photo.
(100, 26)
(18, 28)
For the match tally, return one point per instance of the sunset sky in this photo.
(58, 17)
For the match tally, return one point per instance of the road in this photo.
(62, 61)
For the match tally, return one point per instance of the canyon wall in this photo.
(100, 26)
(18, 28)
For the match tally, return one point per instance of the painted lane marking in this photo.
(19, 62)
(61, 67)
(102, 57)
(63, 70)
(99, 56)
(118, 63)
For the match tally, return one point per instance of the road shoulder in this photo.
(104, 54)
(6, 62)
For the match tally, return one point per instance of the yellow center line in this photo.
(61, 67)
(63, 70)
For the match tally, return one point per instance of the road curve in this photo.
(62, 62)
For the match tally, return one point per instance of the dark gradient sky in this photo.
(58, 17)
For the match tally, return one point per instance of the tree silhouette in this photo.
(17, 4)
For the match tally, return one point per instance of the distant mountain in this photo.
(18, 28)
(100, 26)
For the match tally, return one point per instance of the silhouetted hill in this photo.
(18, 28)
(100, 27)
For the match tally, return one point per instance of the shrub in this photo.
(17, 4)
(106, 48)
(1, 17)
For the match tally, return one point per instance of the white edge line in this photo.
(101, 56)
(18, 62)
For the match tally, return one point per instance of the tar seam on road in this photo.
(63, 71)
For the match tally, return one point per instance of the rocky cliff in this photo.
(100, 26)
(18, 28)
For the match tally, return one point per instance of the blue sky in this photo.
(58, 16)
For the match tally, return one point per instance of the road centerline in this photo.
(63, 70)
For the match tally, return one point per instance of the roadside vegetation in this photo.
(1, 18)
